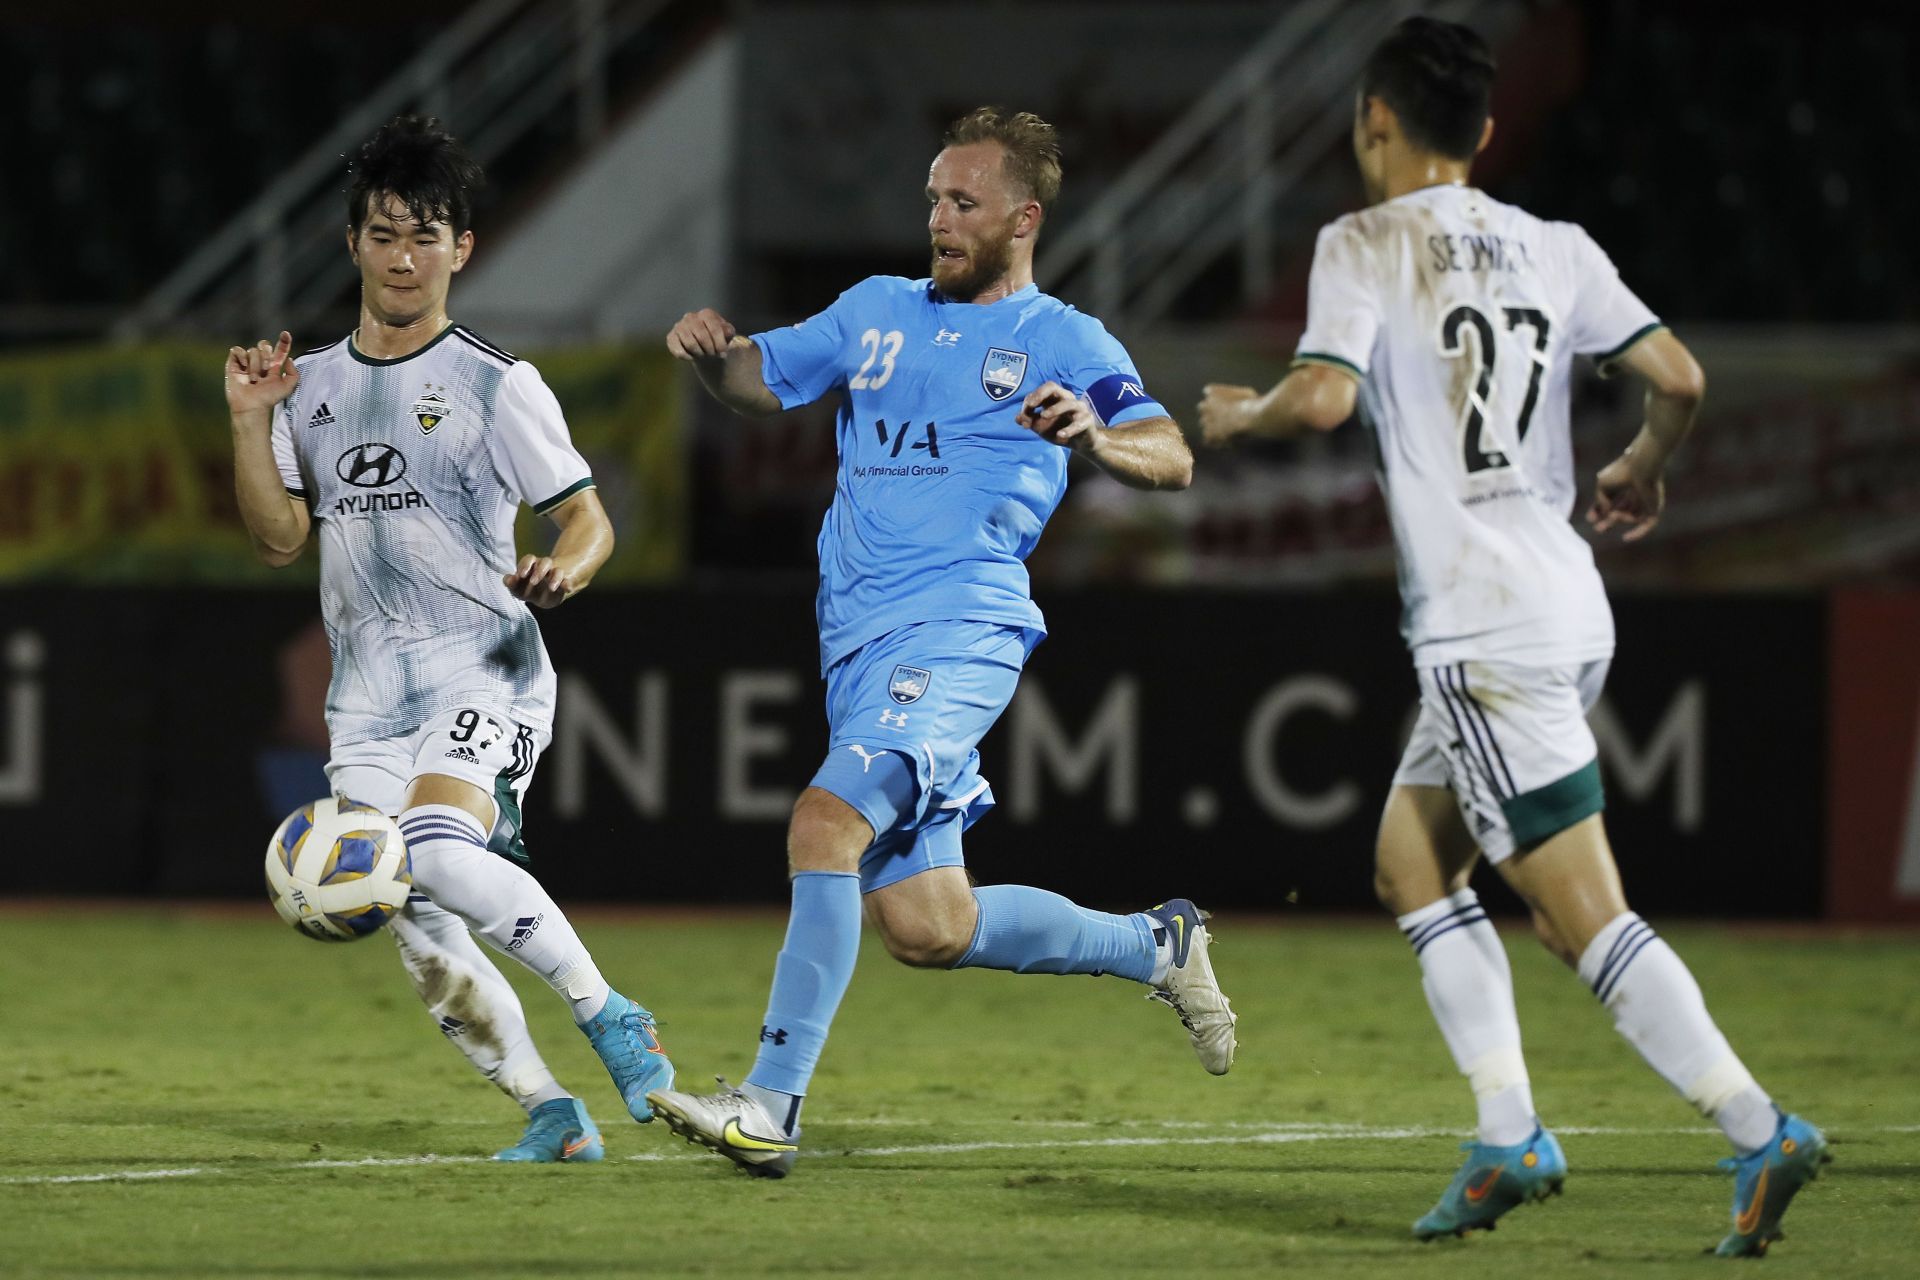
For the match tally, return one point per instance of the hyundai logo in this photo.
(371, 466)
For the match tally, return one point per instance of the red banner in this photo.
(1873, 796)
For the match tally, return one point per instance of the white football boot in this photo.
(1190, 989)
(731, 1123)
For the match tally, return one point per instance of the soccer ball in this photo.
(338, 869)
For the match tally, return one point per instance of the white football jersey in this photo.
(413, 470)
(1461, 317)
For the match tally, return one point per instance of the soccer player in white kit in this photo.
(411, 443)
(1453, 320)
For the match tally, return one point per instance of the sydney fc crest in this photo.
(907, 684)
(1003, 372)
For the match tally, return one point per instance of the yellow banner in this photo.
(623, 408)
(115, 466)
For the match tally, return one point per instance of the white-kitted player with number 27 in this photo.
(411, 444)
(1453, 320)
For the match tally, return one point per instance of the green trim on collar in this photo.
(353, 349)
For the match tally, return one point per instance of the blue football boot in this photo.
(1494, 1180)
(557, 1130)
(1765, 1181)
(622, 1033)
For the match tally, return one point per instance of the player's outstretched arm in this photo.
(258, 378)
(1147, 454)
(585, 542)
(728, 364)
(1312, 397)
(1631, 491)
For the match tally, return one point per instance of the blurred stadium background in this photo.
(1224, 690)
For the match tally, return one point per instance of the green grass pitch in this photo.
(204, 1094)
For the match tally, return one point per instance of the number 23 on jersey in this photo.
(881, 347)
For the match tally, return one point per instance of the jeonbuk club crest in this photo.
(908, 683)
(1003, 372)
(429, 411)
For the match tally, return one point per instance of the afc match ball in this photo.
(337, 869)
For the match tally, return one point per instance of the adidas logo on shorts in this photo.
(464, 755)
(451, 1027)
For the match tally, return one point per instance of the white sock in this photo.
(783, 1108)
(1657, 1006)
(472, 1003)
(500, 902)
(1469, 987)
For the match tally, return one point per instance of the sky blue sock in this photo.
(1030, 930)
(815, 965)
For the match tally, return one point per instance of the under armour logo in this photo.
(947, 338)
(778, 1037)
(894, 719)
(866, 757)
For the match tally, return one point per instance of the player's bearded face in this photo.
(975, 215)
(965, 264)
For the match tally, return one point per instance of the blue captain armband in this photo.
(1116, 393)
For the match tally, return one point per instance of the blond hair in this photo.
(1032, 147)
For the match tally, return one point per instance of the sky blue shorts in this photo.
(905, 714)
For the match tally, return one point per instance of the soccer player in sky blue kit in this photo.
(962, 395)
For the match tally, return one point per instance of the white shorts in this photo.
(480, 745)
(1512, 744)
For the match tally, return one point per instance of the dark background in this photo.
(191, 759)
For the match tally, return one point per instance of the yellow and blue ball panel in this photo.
(352, 857)
(294, 834)
(360, 923)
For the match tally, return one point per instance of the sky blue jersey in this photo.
(941, 495)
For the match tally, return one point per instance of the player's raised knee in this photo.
(826, 833)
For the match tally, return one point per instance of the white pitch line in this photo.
(1213, 1140)
(367, 1162)
(1267, 1134)
(124, 1175)
(1271, 1134)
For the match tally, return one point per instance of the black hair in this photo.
(422, 165)
(1438, 78)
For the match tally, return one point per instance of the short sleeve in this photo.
(1343, 310)
(1608, 319)
(283, 455)
(530, 445)
(804, 361)
(1090, 361)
